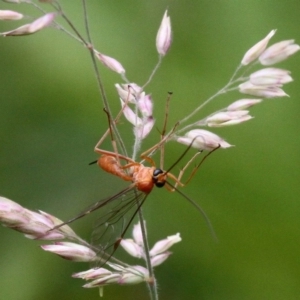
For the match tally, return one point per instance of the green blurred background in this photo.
(51, 117)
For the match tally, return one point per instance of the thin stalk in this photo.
(152, 286)
(153, 72)
(99, 80)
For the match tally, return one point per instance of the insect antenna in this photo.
(180, 157)
(200, 209)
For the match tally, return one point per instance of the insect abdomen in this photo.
(110, 164)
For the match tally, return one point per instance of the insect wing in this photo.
(95, 206)
(111, 227)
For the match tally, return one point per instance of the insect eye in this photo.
(158, 180)
(156, 172)
(160, 183)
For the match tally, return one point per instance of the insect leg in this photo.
(112, 127)
(163, 132)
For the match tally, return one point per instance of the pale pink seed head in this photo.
(145, 105)
(243, 104)
(232, 121)
(66, 230)
(14, 220)
(164, 35)
(10, 15)
(203, 140)
(71, 251)
(254, 52)
(125, 94)
(224, 116)
(130, 278)
(110, 63)
(42, 22)
(33, 225)
(141, 131)
(133, 88)
(138, 270)
(39, 227)
(102, 281)
(7, 205)
(132, 248)
(115, 266)
(278, 52)
(271, 76)
(33, 27)
(227, 118)
(165, 244)
(134, 275)
(39, 218)
(130, 115)
(129, 92)
(13, 1)
(33, 229)
(137, 234)
(160, 258)
(261, 90)
(50, 236)
(92, 273)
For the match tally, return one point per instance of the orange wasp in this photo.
(142, 178)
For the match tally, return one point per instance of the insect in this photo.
(142, 180)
